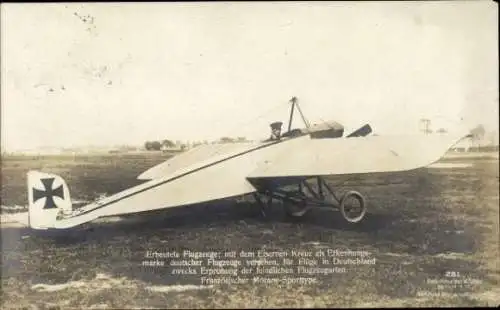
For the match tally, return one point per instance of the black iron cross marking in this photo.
(48, 193)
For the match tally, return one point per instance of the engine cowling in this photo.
(330, 129)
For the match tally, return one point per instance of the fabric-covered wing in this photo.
(217, 177)
(195, 156)
(217, 181)
(312, 157)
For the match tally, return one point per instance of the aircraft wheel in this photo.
(353, 207)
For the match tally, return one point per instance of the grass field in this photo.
(421, 227)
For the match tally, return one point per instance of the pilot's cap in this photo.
(276, 125)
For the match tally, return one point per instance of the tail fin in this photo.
(48, 197)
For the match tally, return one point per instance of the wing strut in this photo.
(293, 100)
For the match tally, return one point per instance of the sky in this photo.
(123, 73)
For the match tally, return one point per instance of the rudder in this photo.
(48, 197)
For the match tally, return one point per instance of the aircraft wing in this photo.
(194, 157)
(207, 184)
(370, 154)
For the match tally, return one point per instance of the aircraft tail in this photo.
(48, 198)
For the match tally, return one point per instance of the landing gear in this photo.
(296, 210)
(298, 200)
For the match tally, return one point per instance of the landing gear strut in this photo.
(302, 197)
(265, 206)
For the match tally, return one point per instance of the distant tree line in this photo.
(477, 134)
(168, 144)
(158, 145)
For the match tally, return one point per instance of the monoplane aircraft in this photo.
(290, 167)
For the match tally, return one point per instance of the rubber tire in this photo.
(362, 202)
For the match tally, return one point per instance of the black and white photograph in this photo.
(286, 154)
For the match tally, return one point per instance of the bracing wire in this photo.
(259, 116)
(252, 120)
(306, 122)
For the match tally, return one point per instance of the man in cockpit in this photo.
(276, 130)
